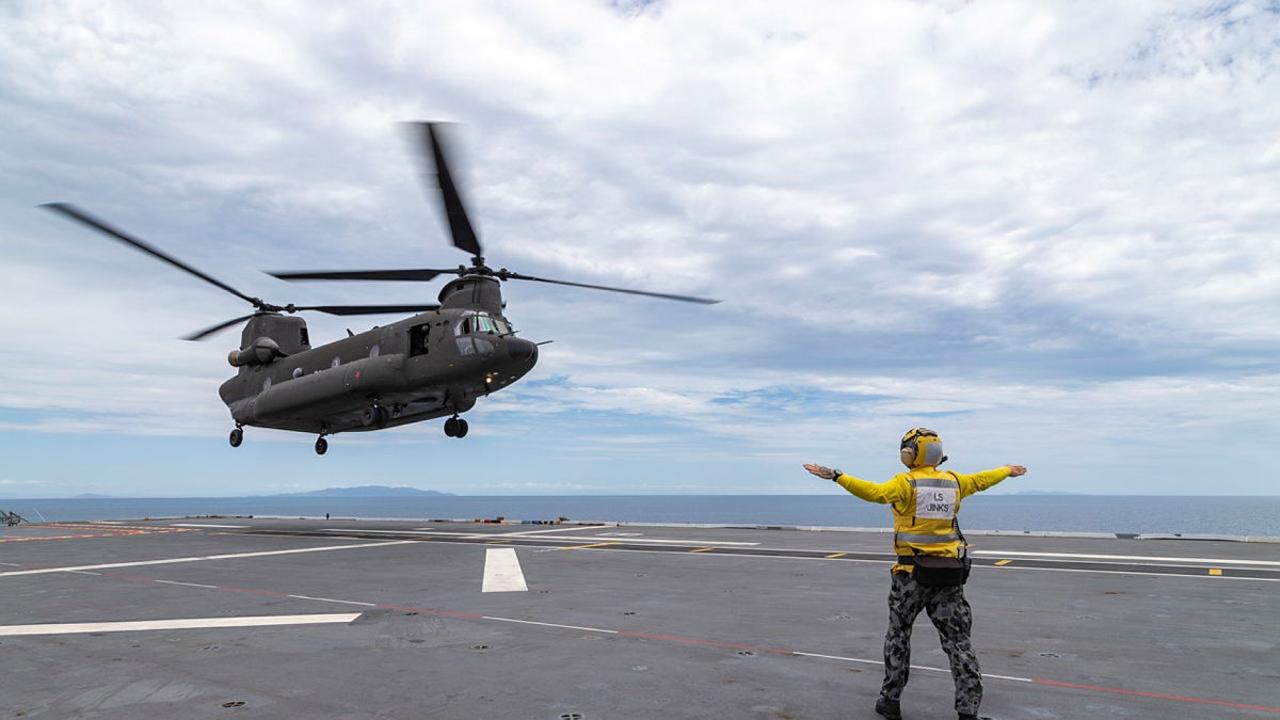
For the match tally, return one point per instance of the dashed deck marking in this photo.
(592, 545)
(1141, 558)
(175, 561)
(1215, 571)
(835, 555)
(1003, 562)
(502, 571)
(176, 624)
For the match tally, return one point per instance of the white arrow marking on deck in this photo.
(502, 571)
(177, 624)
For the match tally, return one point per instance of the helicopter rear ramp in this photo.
(269, 618)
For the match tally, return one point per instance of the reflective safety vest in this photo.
(925, 502)
(926, 522)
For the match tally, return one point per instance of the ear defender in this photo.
(921, 447)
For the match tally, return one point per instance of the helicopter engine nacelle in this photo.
(262, 351)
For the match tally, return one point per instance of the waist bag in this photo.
(937, 571)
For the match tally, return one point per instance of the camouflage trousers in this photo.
(953, 618)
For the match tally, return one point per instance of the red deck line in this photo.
(758, 648)
(1155, 696)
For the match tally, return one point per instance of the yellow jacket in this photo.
(924, 501)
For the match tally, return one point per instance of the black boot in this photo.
(888, 709)
(965, 716)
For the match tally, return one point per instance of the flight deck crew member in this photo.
(925, 501)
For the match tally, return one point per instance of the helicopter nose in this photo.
(521, 350)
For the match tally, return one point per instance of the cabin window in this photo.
(373, 351)
(266, 384)
(484, 323)
(302, 337)
(420, 339)
(297, 373)
(335, 362)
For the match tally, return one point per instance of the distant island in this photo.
(366, 491)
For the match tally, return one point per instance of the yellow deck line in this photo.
(833, 556)
(702, 549)
(1003, 562)
(1215, 571)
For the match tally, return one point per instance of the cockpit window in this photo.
(480, 323)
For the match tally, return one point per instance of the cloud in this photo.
(1047, 226)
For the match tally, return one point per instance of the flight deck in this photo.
(363, 619)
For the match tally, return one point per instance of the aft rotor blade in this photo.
(433, 144)
(86, 219)
(422, 274)
(368, 309)
(665, 296)
(220, 326)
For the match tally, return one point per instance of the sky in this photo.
(1049, 231)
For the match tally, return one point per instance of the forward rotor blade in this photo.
(665, 296)
(433, 144)
(420, 274)
(368, 309)
(220, 326)
(88, 220)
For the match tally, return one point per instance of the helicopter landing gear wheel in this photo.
(322, 445)
(455, 427)
(375, 417)
(237, 437)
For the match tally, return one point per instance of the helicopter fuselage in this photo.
(427, 366)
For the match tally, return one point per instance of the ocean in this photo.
(1064, 513)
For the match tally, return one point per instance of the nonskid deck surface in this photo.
(276, 618)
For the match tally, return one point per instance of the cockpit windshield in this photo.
(482, 323)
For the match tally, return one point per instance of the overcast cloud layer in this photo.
(1049, 231)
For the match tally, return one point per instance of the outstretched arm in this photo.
(886, 492)
(977, 482)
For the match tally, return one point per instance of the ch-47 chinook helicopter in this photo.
(433, 364)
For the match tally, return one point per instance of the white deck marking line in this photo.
(333, 600)
(407, 532)
(1148, 558)
(502, 571)
(547, 624)
(174, 561)
(177, 624)
(187, 584)
(549, 530)
(207, 525)
(890, 562)
(84, 572)
(10, 564)
(866, 661)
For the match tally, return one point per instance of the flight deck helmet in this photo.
(921, 447)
